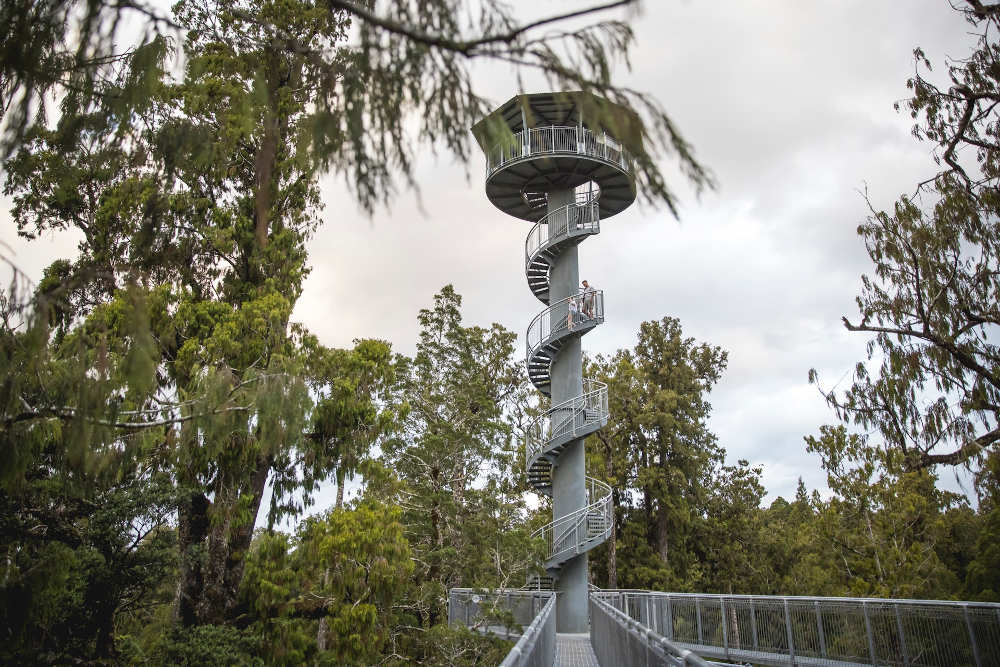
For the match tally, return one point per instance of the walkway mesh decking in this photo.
(574, 651)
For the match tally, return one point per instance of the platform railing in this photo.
(768, 630)
(567, 420)
(532, 611)
(576, 218)
(553, 139)
(559, 317)
(578, 531)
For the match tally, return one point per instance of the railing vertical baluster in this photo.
(670, 619)
(725, 626)
(819, 628)
(788, 629)
(753, 624)
(697, 611)
(972, 636)
(902, 637)
(868, 629)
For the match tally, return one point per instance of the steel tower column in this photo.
(538, 177)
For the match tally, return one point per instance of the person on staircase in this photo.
(572, 313)
(588, 299)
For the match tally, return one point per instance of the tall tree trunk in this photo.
(662, 534)
(209, 586)
(192, 528)
(324, 627)
(613, 552)
(340, 488)
(613, 538)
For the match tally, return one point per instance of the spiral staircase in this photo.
(564, 175)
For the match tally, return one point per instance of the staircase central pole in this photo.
(569, 487)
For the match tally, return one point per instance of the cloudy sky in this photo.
(791, 106)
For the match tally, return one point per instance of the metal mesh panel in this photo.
(619, 639)
(509, 614)
(558, 139)
(819, 631)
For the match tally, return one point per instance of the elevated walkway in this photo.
(653, 628)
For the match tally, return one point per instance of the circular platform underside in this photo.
(545, 173)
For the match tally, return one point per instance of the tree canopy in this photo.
(931, 386)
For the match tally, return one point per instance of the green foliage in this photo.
(207, 645)
(455, 473)
(884, 524)
(329, 594)
(658, 452)
(80, 557)
(932, 385)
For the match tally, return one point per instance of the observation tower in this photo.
(555, 160)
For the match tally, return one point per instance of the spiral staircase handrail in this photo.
(571, 139)
(540, 436)
(574, 525)
(542, 329)
(588, 222)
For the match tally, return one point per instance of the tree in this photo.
(732, 537)
(796, 559)
(67, 48)
(446, 460)
(672, 456)
(931, 387)
(885, 524)
(346, 568)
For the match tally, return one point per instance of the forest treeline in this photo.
(689, 520)
(162, 417)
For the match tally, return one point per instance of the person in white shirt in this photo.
(572, 313)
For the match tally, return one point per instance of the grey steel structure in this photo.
(619, 639)
(531, 612)
(563, 171)
(804, 631)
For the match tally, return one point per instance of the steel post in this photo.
(902, 637)
(788, 629)
(868, 630)
(972, 637)
(819, 630)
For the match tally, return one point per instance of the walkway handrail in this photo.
(620, 640)
(568, 534)
(537, 646)
(571, 139)
(772, 630)
(562, 422)
(543, 328)
(537, 643)
(577, 217)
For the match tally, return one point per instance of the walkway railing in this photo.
(495, 611)
(570, 139)
(620, 640)
(770, 630)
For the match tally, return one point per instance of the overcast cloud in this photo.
(790, 105)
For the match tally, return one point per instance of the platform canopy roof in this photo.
(567, 108)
